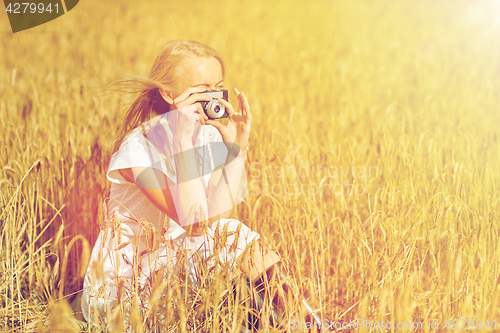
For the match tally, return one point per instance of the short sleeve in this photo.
(137, 151)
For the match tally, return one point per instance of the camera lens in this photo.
(215, 109)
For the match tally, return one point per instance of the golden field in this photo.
(373, 167)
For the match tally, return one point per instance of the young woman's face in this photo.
(199, 74)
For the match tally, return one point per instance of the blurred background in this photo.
(407, 90)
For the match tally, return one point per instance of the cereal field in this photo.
(373, 167)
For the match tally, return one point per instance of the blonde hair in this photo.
(150, 103)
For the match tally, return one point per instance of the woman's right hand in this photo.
(185, 113)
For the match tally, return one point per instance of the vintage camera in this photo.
(214, 109)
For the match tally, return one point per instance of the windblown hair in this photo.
(150, 103)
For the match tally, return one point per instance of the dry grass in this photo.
(397, 100)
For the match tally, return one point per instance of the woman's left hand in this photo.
(238, 128)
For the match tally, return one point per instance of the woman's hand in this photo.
(239, 126)
(185, 113)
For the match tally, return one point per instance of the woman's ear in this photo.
(167, 96)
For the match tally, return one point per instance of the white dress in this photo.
(140, 239)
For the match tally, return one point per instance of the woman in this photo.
(176, 176)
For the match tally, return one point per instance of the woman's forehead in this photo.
(200, 71)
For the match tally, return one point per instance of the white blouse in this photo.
(137, 151)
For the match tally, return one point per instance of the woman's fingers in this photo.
(186, 94)
(202, 117)
(191, 99)
(191, 96)
(229, 108)
(193, 113)
(215, 123)
(186, 101)
(237, 93)
(246, 106)
(243, 103)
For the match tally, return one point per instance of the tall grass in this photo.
(374, 163)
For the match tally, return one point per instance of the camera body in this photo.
(214, 109)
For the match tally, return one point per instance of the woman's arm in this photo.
(154, 184)
(189, 193)
(225, 184)
(185, 201)
(148, 181)
(222, 191)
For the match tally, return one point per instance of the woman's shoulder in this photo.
(134, 135)
(135, 140)
(134, 152)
